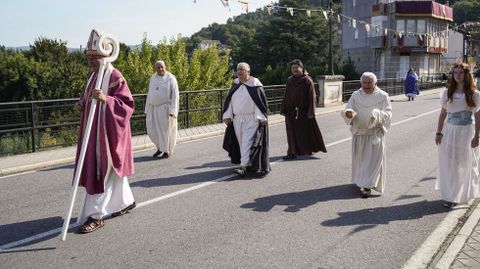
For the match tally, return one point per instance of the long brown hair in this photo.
(468, 85)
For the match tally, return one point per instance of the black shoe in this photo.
(366, 192)
(164, 156)
(448, 204)
(155, 155)
(289, 157)
(261, 174)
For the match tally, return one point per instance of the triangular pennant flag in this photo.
(354, 23)
(269, 9)
(309, 13)
(377, 29)
(325, 14)
(385, 30)
(339, 19)
(420, 36)
(400, 34)
(225, 4)
(367, 27)
(244, 5)
(290, 10)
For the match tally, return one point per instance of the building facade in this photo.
(399, 35)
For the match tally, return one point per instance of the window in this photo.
(376, 26)
(400, 25)
(421, 29)
(411, 26)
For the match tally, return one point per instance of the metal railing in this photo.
(395, 86)
(39, 125)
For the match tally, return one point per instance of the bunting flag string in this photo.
(353, 22)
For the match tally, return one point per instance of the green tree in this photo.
(466, 11)
(274, 40)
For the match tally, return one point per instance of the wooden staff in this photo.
(112, 48)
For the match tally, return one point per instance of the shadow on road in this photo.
(148, 158)
(211, 165)
(427, 179)
(371, 217)
(183, 179)
(299, 158)
(27, 250)
(294, 201)
(61, 167)
(408, 196)
(17, 231)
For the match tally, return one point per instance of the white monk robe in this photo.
(246, 116)
(162, 100)
(458, 163)
(372, 115)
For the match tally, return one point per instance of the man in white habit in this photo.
(245, 113)
(162, 110)
(369, 114)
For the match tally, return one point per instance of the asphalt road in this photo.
(193, 214)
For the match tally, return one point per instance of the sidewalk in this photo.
(463, 248)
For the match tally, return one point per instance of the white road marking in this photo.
(19, 174)
(189, 189)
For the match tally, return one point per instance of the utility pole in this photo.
(330, 51)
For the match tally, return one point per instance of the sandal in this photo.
(124, 211)
(240, 171)
(91, 225)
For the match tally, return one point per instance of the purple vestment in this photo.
(114, 124)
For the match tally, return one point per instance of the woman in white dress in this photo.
(457, 138)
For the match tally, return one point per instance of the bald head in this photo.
(160, 68)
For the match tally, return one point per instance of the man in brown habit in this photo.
(298, 107)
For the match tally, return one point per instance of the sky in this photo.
(23, 21)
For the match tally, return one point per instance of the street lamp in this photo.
(466, 40)
(330, 51)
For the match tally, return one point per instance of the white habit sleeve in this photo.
(174, 100)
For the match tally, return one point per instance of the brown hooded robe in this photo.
(298, 107)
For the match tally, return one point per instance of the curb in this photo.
(427, 251)
(458, 242)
